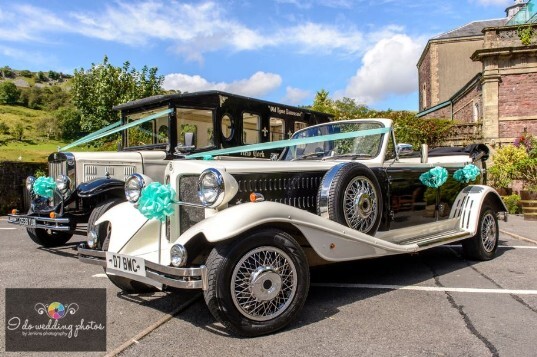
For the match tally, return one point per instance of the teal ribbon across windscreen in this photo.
(287, 143)
(113, 128)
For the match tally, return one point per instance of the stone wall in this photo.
(12, 177)
(517, 96)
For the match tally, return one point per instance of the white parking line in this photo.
(426, 288)
(101, 275)
(500, 246)
(7, 229)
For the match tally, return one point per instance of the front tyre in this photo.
(48, 238)
(257, 283)
(483, 245)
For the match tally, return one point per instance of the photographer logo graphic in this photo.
(32, 325)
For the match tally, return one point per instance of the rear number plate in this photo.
(24, 221)
(125, 263)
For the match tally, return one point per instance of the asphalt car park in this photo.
(431, 303)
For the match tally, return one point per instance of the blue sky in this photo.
(278, 50)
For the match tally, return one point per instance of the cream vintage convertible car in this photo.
(246, 231)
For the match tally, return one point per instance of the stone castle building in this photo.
(483, 77)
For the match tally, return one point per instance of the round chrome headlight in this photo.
(178, 255)
(30, 180)
(210, 187)
(63, 183)
(133, 187)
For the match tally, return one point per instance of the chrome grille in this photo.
(188, 192)
(56, 168)
(294, 189)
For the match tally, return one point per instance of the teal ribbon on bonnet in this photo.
(156, 201)
(435, 177)
(467, 173)
(44, 186)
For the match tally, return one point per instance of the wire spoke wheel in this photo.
(360, 204)
(263, 283)
(488, 232)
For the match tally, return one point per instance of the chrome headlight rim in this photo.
(133, 187)
(178, 255)
(63, 184)
(213, 195)
(30, 180)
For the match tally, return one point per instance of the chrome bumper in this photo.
(55, 224)
(182, 278)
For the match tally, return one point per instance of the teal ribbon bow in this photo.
(156, 201)
(467, 173)
(435, 177)
(44, 186)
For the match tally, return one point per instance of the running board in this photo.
(438, 239)
(427, 235)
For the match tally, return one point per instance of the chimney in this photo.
(514, 9)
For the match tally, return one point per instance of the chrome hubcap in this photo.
(263, 283)
(488, 232)
(360, 204)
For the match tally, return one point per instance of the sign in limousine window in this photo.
(277, 129)
(251, 128)
(194, 127)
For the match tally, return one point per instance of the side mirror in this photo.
(404, 150)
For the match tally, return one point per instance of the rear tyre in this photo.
(48, 238)
(258, 283)
(483, 245)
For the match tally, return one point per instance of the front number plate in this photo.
(125, 263)
(24, 221)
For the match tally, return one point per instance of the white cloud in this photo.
(494, 2)
(389, 67)
(259, 84)
(189, 29)
(295, 96)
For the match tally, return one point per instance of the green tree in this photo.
(53, 75)
(18, 131)
(7, 72)
(345, 108)
(4, 129)
(40, 77)
(36, 98)
(25, 73)
(408, 128)
(68, 119)
(55, 97)
(98, 89)
(9, 94)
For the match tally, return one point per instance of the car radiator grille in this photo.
(188, 192)
(56, 168)
(294, 189)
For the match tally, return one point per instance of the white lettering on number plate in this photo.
(125, 263)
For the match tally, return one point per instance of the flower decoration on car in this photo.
(156, 201)
(467, 173)
(44, 186)
(435, 177)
